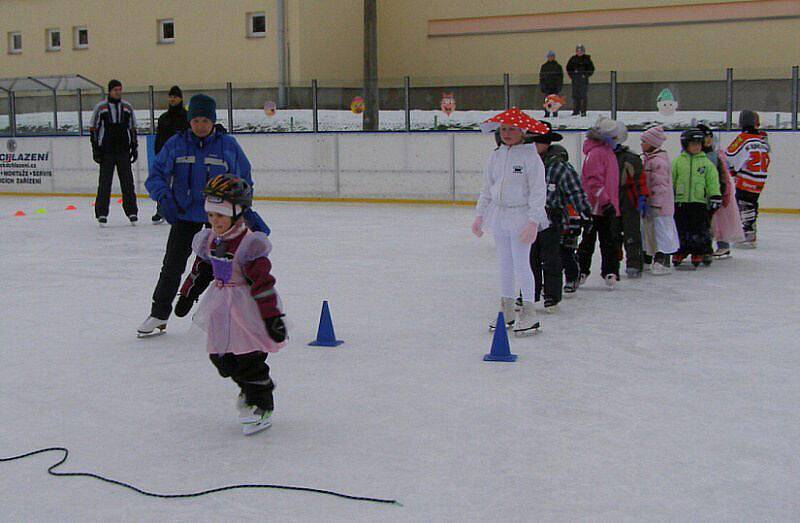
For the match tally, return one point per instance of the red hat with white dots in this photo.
(515, 118)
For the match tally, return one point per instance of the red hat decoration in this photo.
(516, 118)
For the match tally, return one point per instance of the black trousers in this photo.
(607, 228)
(122, 161)
(693, 221)
(748, 210)
(569, 254)
(631, 226)
(251, 372)
(580, 94)
(545, 261)
(179, 248)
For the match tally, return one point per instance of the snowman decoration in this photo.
(666, 103)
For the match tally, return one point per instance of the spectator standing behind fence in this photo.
(172, 122)
(112, 132)
(551, 78)
(579, 69)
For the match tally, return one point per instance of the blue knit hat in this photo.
(202, 105)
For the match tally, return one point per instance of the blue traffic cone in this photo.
(325, 335)
(500, 350)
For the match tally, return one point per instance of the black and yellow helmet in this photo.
(229, 188)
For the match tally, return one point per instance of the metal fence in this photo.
(639, 99)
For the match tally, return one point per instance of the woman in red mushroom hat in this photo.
(511, 205)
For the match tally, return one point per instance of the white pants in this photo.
(659, 235)
(514, 256)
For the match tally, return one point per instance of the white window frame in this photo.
(250, 18)
(76, 41)
(50, 32)
(161, 24)
(11, 48)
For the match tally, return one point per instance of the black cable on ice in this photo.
(51, 470)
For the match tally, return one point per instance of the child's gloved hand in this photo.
(608, 210)
(642, 206)
(476, 226)
(183, 306)
(529, 232)
(276, 329)
(714, 203)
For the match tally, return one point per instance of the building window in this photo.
(53, 39)
(14, 42)
(166, 31)
(80, 35)
(256, 25)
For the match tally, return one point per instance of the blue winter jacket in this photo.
(186, 163)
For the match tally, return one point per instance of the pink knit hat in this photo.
(654, 136)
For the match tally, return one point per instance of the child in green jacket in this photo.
(696, 183)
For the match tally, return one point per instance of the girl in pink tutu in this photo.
(240, 312)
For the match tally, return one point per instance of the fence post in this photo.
(507, 91)
(80, 113)
(795, 95)
(55, 111)
(729, 98)
(152, 102)
(407, 101)
(613, 95)
(314, 115)
(229, 87)
(12, 112)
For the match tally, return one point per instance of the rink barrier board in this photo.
(398, 168)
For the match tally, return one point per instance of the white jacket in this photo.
(514, 179)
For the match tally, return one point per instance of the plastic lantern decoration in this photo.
(448, 104)
(270, 108)
(666, 103)
(357, 105)
(552, 103)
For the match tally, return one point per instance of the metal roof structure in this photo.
(67, 82)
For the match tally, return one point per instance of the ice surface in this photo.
(671, 398)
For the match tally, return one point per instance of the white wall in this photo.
(418, 166)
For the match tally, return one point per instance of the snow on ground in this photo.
(672, 398)
(254, 120)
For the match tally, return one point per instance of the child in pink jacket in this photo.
(659, 234)
(600, 180)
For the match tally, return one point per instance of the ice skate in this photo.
(102, 221)
(659, 269)
(722, 253)
(507, 306)
(133, 218)
(707, 259)
(677, 259)
(157, 219)
(151, 327)
(633, 273)
(526, 323)
(746, 244)
(261, 419)
(611, 281)
(550, 305)
(570, 288)
(697, 259)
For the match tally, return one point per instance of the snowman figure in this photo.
(666, 103)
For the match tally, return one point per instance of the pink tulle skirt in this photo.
(726, 225)
(230, 318)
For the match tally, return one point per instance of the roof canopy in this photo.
(67, 82)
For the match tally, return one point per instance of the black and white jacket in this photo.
(113, 126)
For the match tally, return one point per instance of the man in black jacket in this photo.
(170, 123)
(579, 69)
(112, 132)
(551, 78)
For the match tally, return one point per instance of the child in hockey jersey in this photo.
(748, 157)
(659, 235)
(240, 311)
(512, 206)
(697, 196)
(726, 225)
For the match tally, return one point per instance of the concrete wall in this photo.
(415, 166)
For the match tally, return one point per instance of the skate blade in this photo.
(551, 309)
(157, 332)
(493, 328)
(722, 257)
(249, 429)
(528, 332)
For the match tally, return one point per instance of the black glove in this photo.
(183, 306)
(276, 329)
(97, 154)
(134, 154)
(608, 210)
(168, 209)
(714, 203)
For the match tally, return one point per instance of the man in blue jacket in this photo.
(176, 181)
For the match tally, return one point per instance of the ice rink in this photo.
(672, 398)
